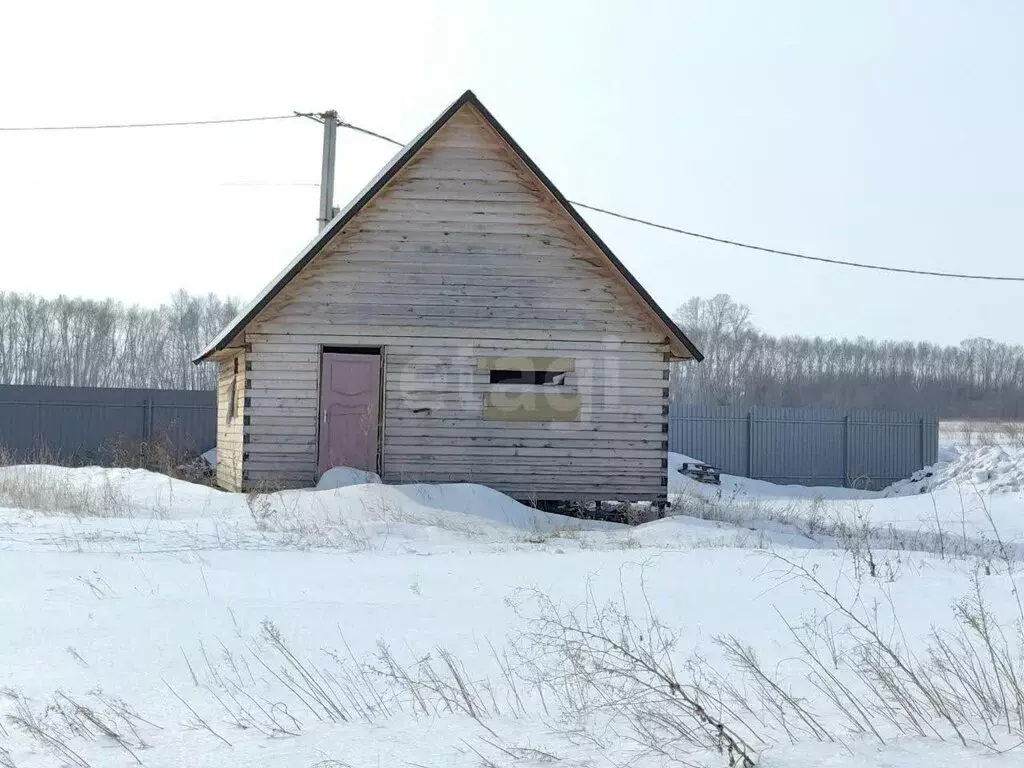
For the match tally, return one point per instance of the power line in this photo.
(634, 219)
(269, 184)
(794, 254)
(751, 246)
(368, 132)
(147, 125)
(319, 117)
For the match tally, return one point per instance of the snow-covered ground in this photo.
(149, 621)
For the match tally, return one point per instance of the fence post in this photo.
(921, 446)
(750, 443)
(38, 440)
(846, 451)
(147, 419)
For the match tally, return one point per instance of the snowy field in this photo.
(149, 621)
(972, 433)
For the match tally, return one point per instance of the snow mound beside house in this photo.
(348, 507)
(986, 469)
(342, 477)
(421, 511)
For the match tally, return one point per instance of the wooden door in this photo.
(349, 409)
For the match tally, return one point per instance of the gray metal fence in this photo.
(83, 424)
(806, 446)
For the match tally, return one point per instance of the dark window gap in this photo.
(232, 398)
(351, 350)
(550, 378)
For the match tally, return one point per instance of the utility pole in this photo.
(330, 121)
(327, 209)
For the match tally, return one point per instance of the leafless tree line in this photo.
(88, 343)
(978, 378)
(82, 342)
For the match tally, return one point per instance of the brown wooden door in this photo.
(349, 409)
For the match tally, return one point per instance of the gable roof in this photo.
(386, 174)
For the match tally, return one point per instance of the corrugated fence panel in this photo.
(806, 446)
(803, 447)
(187, 418)
(718, 436)
(79, 424)
(888, 446)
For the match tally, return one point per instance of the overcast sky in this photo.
(883, 132)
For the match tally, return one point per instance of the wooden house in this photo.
(458, 321)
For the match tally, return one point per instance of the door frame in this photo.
(350, 349)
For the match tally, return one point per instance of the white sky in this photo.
(871, 131)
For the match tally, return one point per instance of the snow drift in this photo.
(986, 469)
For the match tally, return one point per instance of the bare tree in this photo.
(979, 378)
(81, 342)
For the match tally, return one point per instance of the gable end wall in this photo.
(463, 257)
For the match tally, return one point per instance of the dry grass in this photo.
(876, 551)
(853, 673)
(967, 684)
(599, 672)
(276, 691)
(37, 487)
(64, 721)
(609, 671)
(157, 454)
(36, 482)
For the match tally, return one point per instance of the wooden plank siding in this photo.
(464, 256)
(230, 430)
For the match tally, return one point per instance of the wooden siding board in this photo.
(304, 330)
